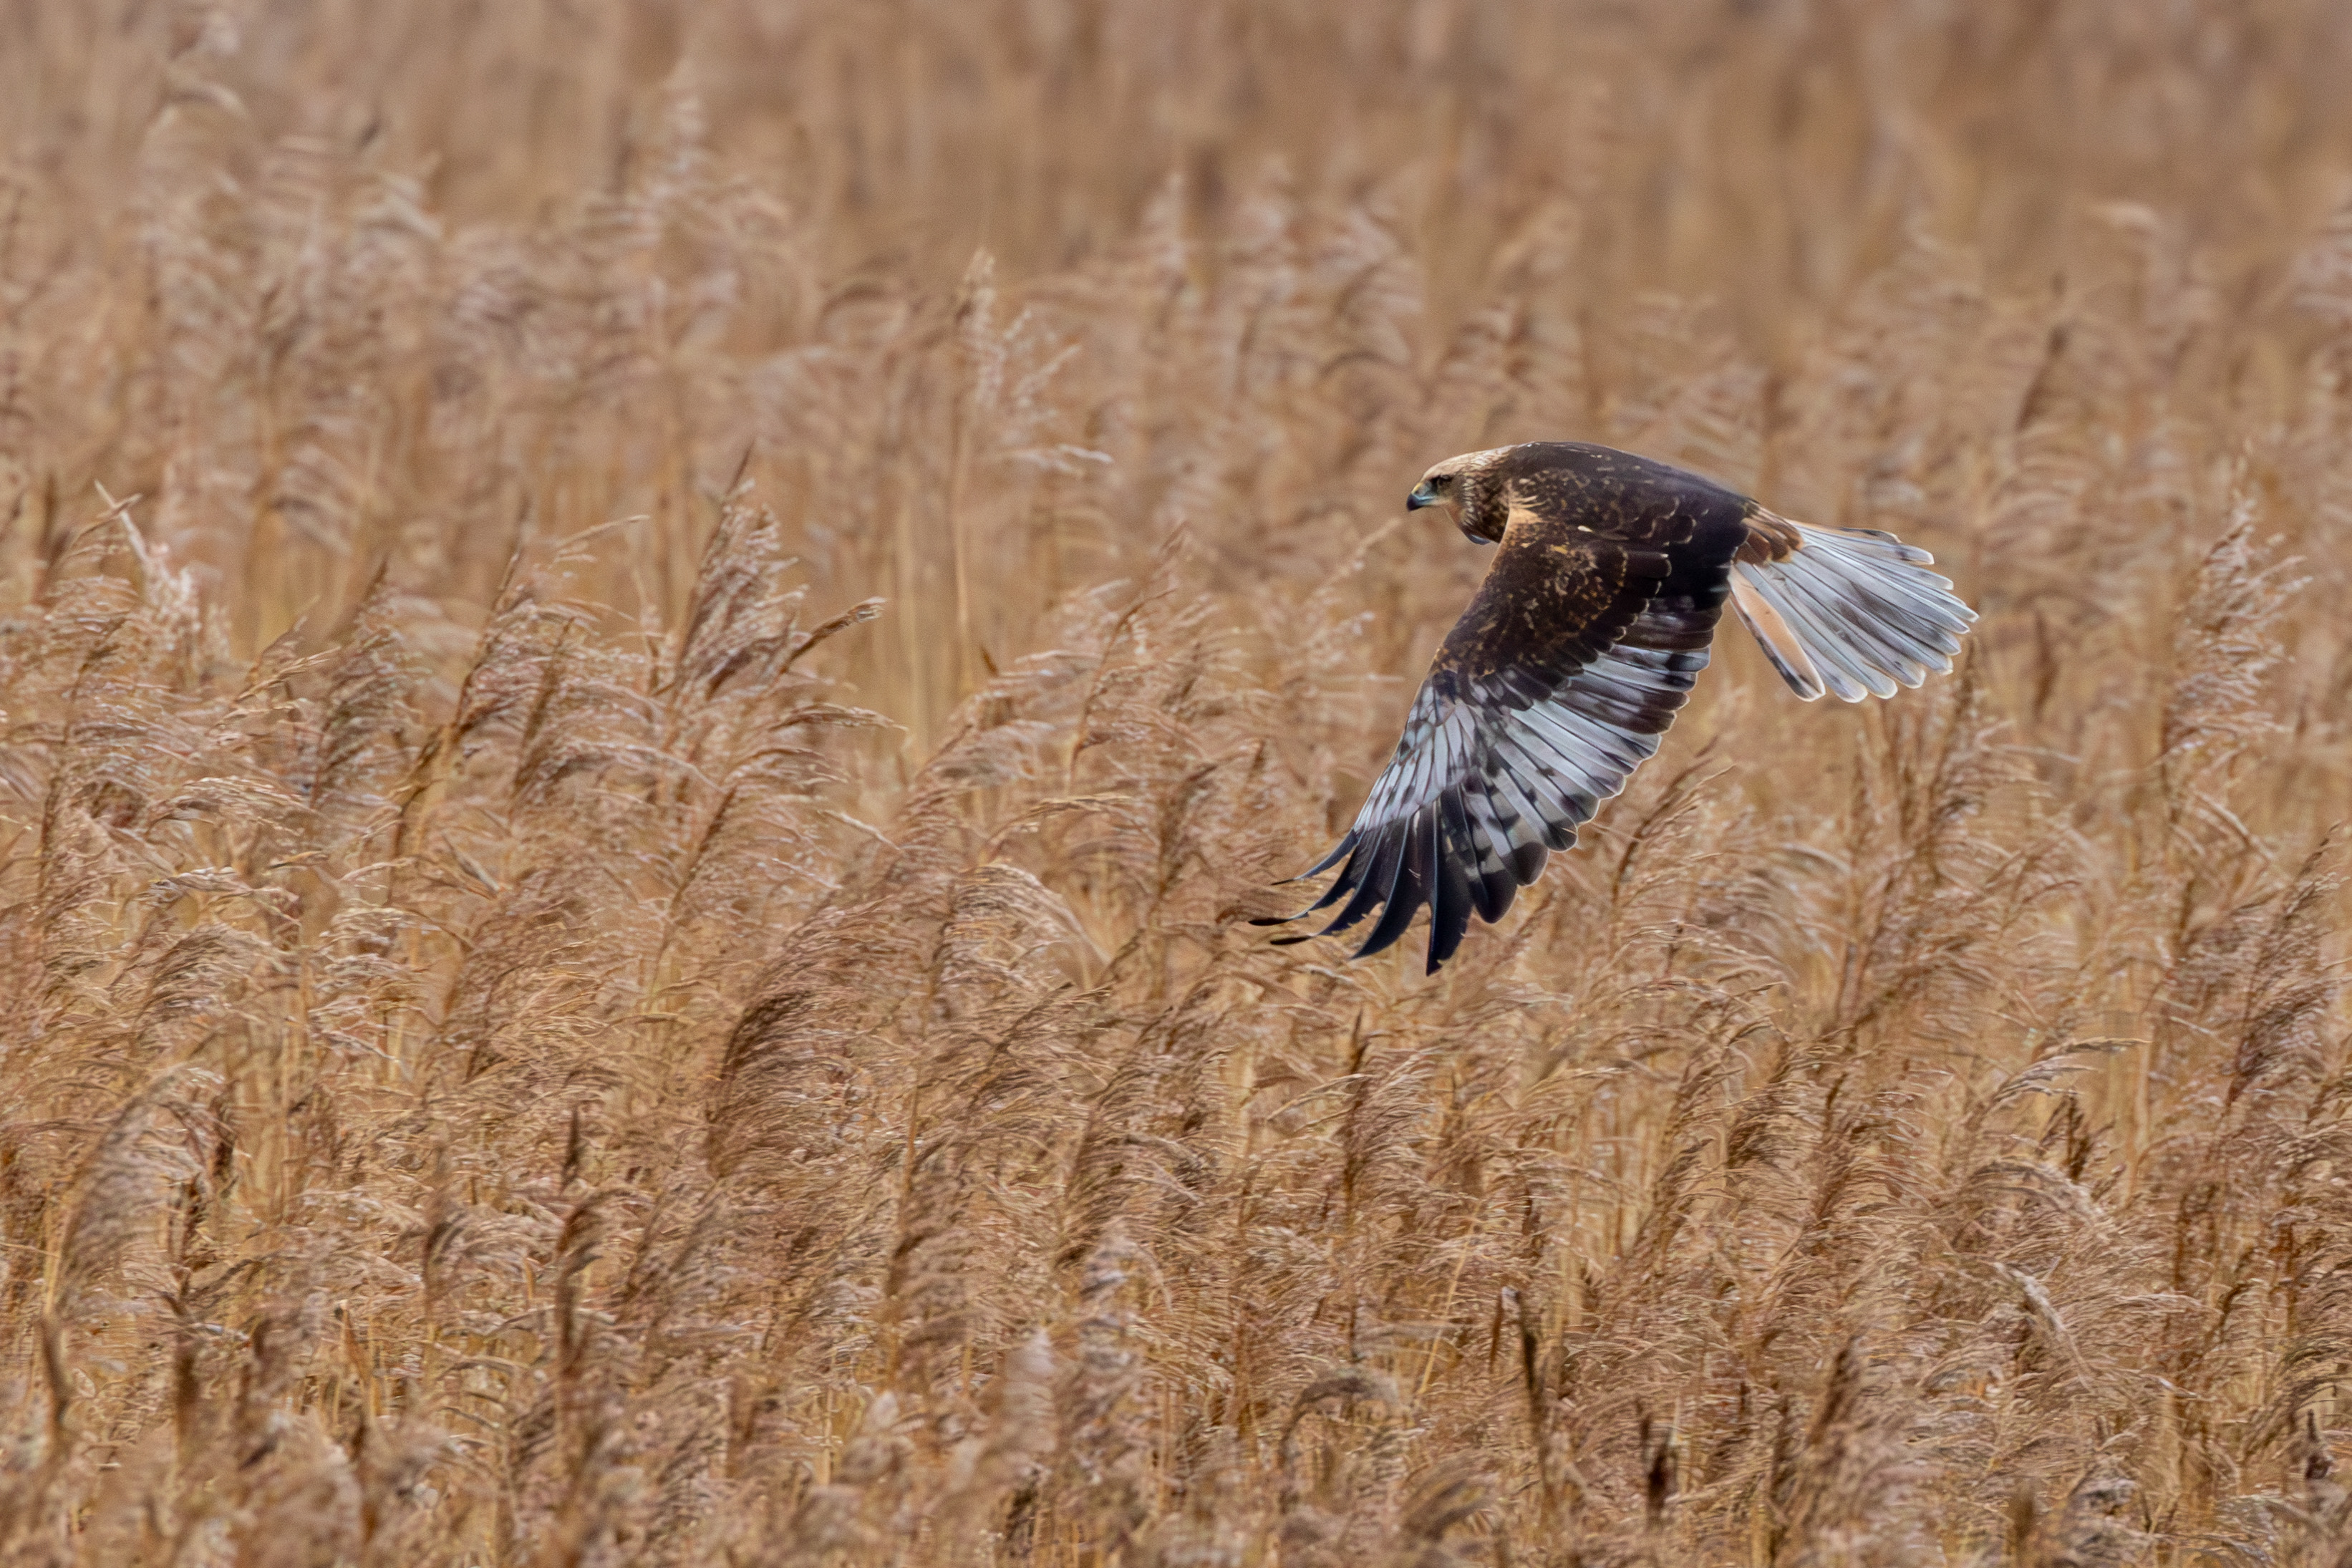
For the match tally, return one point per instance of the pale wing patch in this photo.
(1486, 783)
(1851, 611)
(1780, 644)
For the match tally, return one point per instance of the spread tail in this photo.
(1851, 611)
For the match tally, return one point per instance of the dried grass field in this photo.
(652, 656)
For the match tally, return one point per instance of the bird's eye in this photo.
(1439, 482)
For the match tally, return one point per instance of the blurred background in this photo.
(337, 287)
(651, 655)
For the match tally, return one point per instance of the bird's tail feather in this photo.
(1851, 611)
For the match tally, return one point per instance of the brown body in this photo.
(1593, 539)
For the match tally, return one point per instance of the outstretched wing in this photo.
(1551, 689)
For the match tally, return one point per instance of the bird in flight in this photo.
(1576, 651)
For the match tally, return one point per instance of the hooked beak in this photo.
(1421, 496)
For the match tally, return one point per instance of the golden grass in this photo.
(537, 1029)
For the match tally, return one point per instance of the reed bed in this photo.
(652, 657)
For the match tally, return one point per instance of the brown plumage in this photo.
(1578, 649)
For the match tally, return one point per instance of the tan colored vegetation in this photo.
(537, 1027)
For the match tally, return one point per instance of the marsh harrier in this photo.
(1576, 650)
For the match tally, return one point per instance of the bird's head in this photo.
(1463, 487)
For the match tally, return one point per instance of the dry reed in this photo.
(651, 657)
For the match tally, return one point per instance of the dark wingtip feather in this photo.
(1346, 882)
(1411, 888)
(1325, 863)
(1445, 939)
(1377, 883)
(1449, 906)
